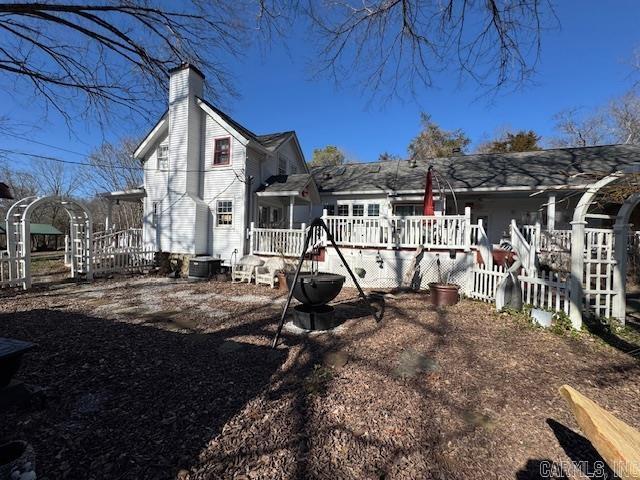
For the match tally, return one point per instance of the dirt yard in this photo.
(150, 378)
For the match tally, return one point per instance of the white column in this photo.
(551, 213)
(291, 202)
(251, 234)
(107, 220)
(467, 229)
(577, 273)
(620, 233)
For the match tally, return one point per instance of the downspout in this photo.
(248, 217)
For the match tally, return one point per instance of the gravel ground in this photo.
(154, 378)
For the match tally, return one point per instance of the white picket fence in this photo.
(12, 270)
(120, 251)
(122, 260)
(546, 290)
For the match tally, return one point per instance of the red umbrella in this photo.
(427, 206)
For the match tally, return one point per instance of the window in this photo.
(343, 210)
(163, 157)
(221, 151)
(224, 213)
(292, 168)
(282, 166)
(331, 209)
(154, 215)
(358, 210)
(408, 210)
(373, 210)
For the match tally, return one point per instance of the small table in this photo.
(11, 351)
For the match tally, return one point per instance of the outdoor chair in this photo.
(267, 274)
(244, 269)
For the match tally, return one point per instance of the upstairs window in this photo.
(343, 210)
(358, 210)
(282, 166)
(222, 151)
(163, 157)
(224, 213)
(373, 210)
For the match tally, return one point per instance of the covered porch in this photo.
(285, 202)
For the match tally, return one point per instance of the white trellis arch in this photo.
(617, 246)
(18, 228)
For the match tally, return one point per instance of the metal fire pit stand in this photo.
(318, 224)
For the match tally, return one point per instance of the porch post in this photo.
(576, 290)
(107, 220)
(620, 235)
(467, 229)
(291, 202)
(551, 213)
(251, 234)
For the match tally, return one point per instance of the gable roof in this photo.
(270, 141)
(553, 168)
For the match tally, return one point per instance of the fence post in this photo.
(298, 249)
(467, 229)
(251, 233)
(325, 214)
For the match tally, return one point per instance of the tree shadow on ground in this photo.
(127, 401)
(603, 330)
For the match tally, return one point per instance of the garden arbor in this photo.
(18, 226)
(599, 255)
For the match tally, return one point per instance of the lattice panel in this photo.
(391, 273)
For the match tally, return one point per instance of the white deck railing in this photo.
(431, 232)
(280, 241)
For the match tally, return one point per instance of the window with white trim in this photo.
(282, 166)
(163, 157)
(222, 151)
(373, 210)
(358, 210)
(224, 213)
(343, 210)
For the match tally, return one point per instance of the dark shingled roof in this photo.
(270, 141)
(537, 169)
(295, 182)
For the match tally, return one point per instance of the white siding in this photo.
(224, 182)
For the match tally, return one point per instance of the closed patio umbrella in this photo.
(427, 206)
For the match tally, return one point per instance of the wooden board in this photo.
(617, 442)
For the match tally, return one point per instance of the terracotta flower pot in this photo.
(443, 294)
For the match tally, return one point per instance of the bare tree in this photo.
(399, 44)
(579, 129)
(113, 168)
(434, 141)
(625, 116)
(101, 55)
(117, 53)
(58, 180)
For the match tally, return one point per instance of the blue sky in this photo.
(584, 63)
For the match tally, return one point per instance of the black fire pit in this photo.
(314, 291)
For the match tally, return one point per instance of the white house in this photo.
(202, 170)
(209, 179)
